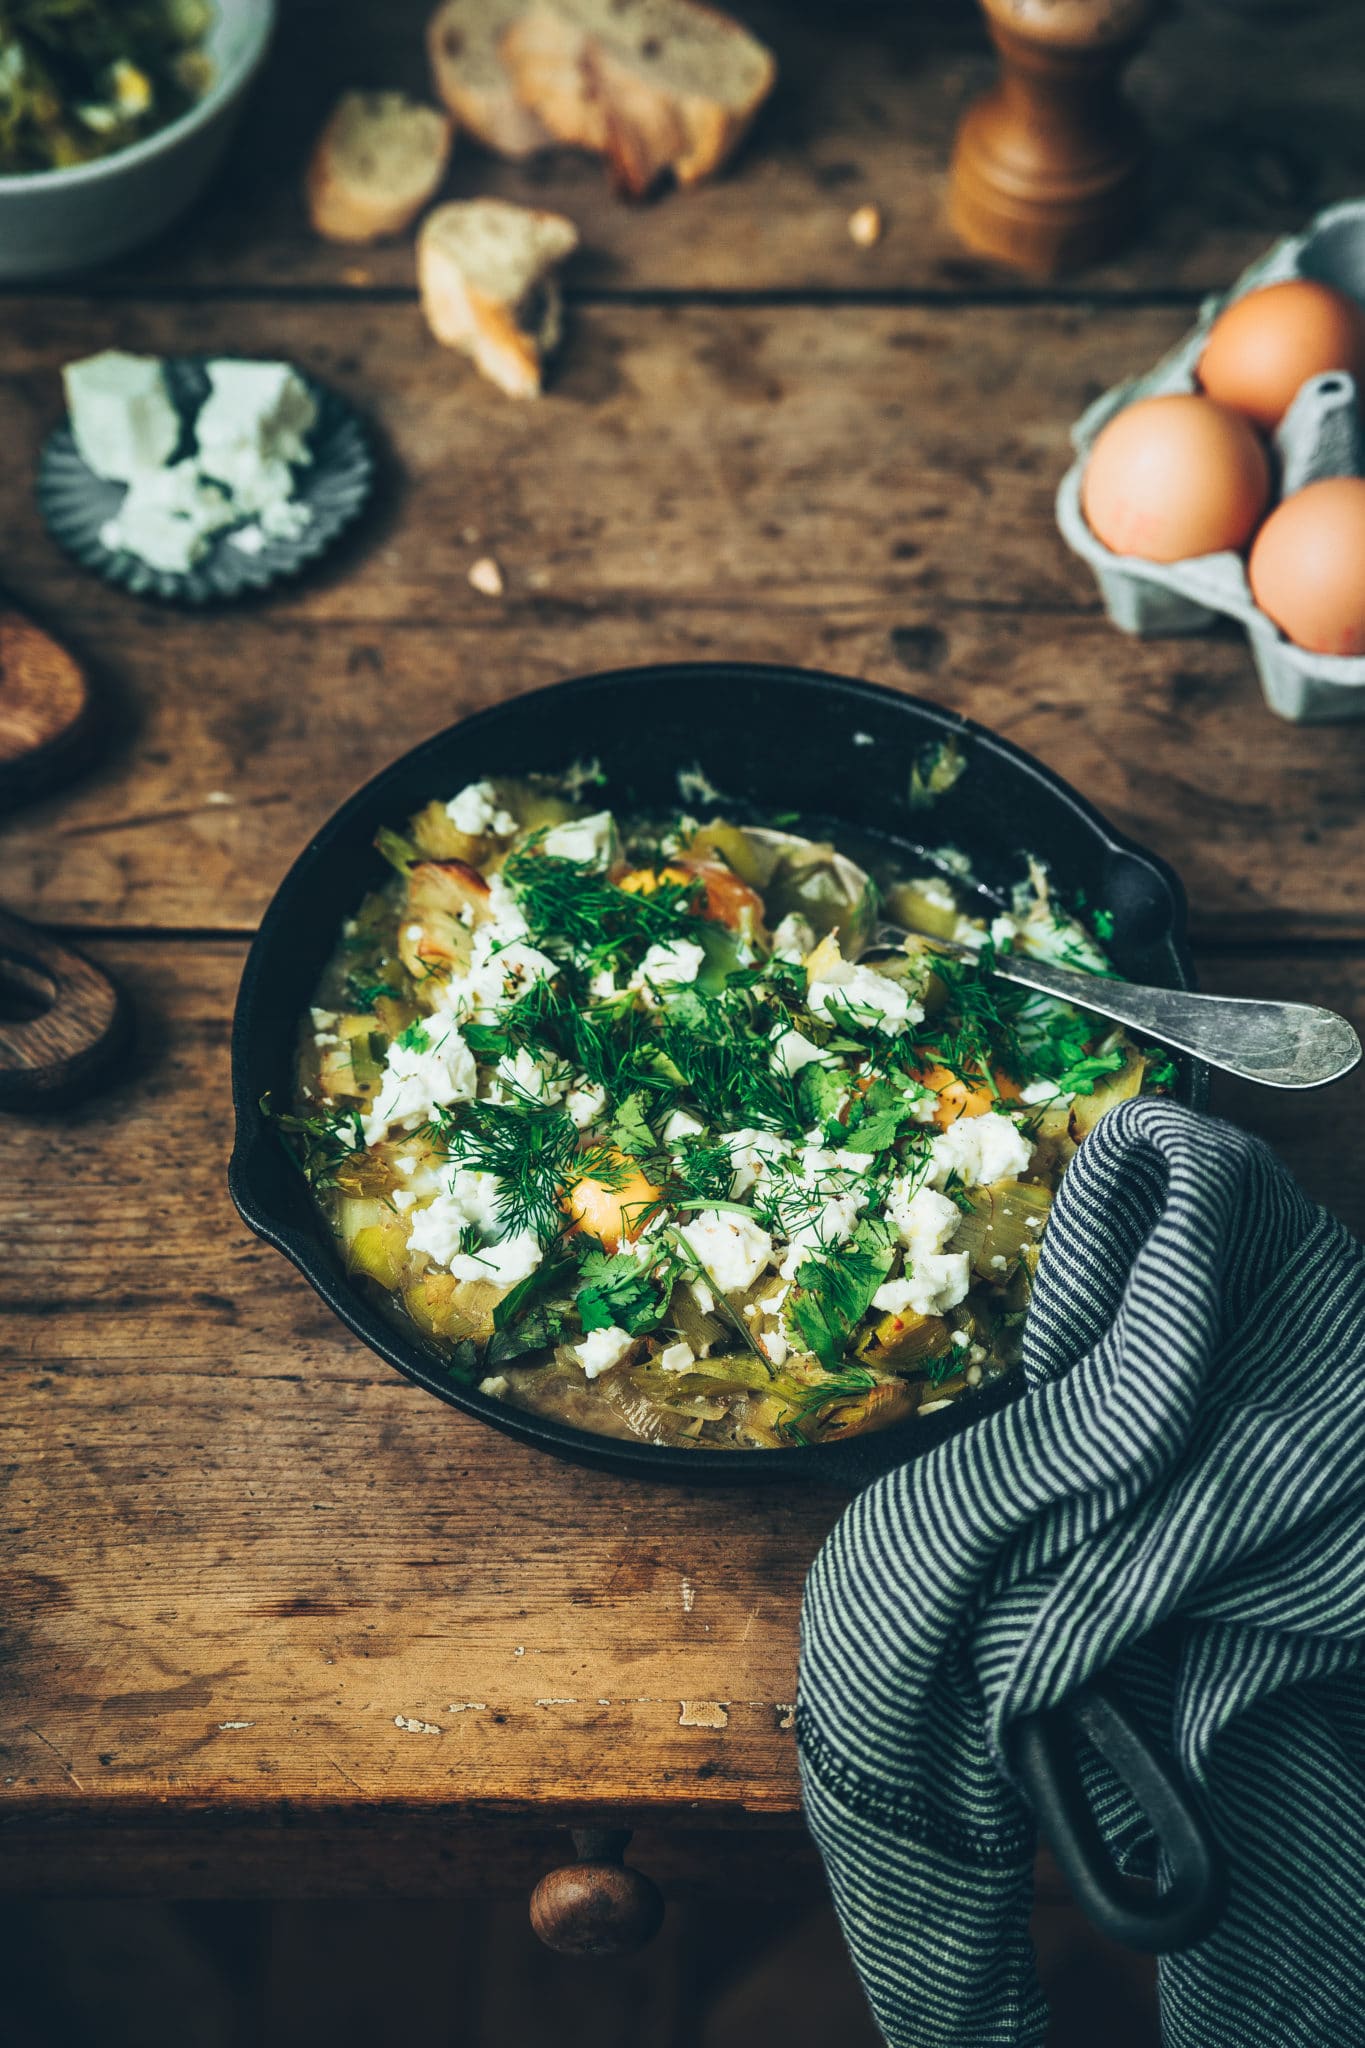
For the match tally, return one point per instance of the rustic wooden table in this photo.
(276, 1623)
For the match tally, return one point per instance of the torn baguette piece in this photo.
(486, 271)
(472, 80)
(377, 162)
(652, 85)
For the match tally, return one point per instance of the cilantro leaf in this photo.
(619, 1291)
(833, 1294)
(882, 1118)
(1080, 1079)
(630, 1129)
(820, 1091)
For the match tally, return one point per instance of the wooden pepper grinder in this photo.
(1048, 168)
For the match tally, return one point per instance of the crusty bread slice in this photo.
(470, 76)
(486, 270)
(652, 85)
(375, 165)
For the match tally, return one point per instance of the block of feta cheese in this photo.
(251, 432)
(168, 517)
(121, 414)
(263, 406)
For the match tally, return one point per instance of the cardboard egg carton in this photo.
(1320, 436)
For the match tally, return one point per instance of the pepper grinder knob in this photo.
(1049, 166)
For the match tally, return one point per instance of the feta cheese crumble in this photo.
(979, 1150)
(248, 437)
(471, 1197)
(506, 1264)
(589, 840)
(672, 963)
(602, 1349)
(860, 994)
(731, 1250)
(122, 418)
(586, 1103)
(476, 810)
(792, 1050)
(794, 937)
(935, 1279)
(433, 1069)
(752, 1154)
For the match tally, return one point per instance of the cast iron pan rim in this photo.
(315, 1261)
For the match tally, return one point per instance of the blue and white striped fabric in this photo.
(1179, 1498)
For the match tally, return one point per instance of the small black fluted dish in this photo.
(773, 741)
(336, 486)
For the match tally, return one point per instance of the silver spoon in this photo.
(1281, 1045)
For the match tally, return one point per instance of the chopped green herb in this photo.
(626, 1291)
(364, 995)
(530, 1148)
(318, 1144)
(833, 1294)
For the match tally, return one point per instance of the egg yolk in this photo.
(614, 1208)
(959, 1098)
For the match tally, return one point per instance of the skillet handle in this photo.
(1123, 1908)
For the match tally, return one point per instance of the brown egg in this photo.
(1177, 476)
(1270, 342)
(1307, 568)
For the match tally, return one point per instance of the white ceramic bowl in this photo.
(54, 221)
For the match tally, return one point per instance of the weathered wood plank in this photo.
(222, 1511)
(796, 485)
(811, 456)
(232, 746)
(238, 1547)
(1248, 143)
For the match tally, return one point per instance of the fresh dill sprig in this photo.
(574, 911)
(320, 1144)
(362, 995)
(711, 1044)
(533, 1150)
(703, 1172)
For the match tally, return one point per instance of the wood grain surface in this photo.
(1248, 140)
(865, 490)
(274, 1621)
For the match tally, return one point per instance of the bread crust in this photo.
(344, 206)
(483, 101)
(587, 94)
(507, 337)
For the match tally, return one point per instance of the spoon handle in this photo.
(1281, 1045)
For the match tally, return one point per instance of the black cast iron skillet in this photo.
(774, 741)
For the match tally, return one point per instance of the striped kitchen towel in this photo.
(1179, 1499)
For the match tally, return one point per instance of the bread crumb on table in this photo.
(865, 226)
(486, 577)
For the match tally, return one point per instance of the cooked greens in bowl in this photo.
(80, 79)
(606, 1109)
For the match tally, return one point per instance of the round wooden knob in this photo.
(46, 716)
(599, 1906)
(62, 1021)
(1049, 167)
